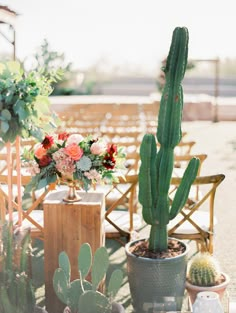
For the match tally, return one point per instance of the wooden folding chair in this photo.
(121, 217)
(196, 220)
(29, 215)
(180, 165)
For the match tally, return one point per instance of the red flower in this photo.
(111, 149)
(63, 136)
(109, 162)
(47, 142)
(45, 161)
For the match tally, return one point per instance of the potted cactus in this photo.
(81, 295)
(157, 266)
(16, 290)
(204, 274)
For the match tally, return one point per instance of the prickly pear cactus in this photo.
(80, 295)
(157, 167)
(204, 270)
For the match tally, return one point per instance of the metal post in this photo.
(216, 93)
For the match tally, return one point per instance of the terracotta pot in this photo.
(193, 290)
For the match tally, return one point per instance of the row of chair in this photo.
(122, 217)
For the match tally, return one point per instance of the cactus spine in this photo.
(81, 295)
(157, 167)
(204, 270)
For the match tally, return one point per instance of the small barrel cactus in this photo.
(81, 295)
(204, 270)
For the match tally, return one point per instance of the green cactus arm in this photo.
(164, 177)
(5, 302)
(170, 114)
(183, 190)
(99, 267)
(147, 177)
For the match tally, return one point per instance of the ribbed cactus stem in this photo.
(157, 167)
(204, 271)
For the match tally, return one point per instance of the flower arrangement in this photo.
(24, 103)
(65, 157)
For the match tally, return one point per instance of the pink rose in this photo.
(40, 152)
(74, 151)
(97, 148)
(74, 138)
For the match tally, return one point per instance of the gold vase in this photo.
(72, 195)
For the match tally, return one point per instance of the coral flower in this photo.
(47, 142)
(63, 136)
(40, 152)
(74, 151)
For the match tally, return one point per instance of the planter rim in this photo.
(211, 288)
(129, 244)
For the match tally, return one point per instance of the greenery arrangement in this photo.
(16, 291)
(24, 103)
(67, 157)
(157, 166)
(81, 295)
(204, 270)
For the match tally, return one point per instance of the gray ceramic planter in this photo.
(156, 284)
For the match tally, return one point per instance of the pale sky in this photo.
(132, 32)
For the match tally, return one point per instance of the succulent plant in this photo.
(204, 270)
(81, 295)
(16, 290)
(157, 166)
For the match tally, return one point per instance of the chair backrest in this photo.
(121, 217)
(28, 213)
(196, 220)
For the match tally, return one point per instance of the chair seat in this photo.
(36, 215)
(201, 218)
(14, 190)
(122, 220)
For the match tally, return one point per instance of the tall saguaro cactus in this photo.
(157, 167)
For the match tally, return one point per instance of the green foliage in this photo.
(157, 166)
(80, 295)
(24, 104)
(16, 291)
(204, 270)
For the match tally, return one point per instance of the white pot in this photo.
(207, 302)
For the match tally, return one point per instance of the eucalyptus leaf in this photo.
(42, 183)
(4, 126)
(6, 114)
